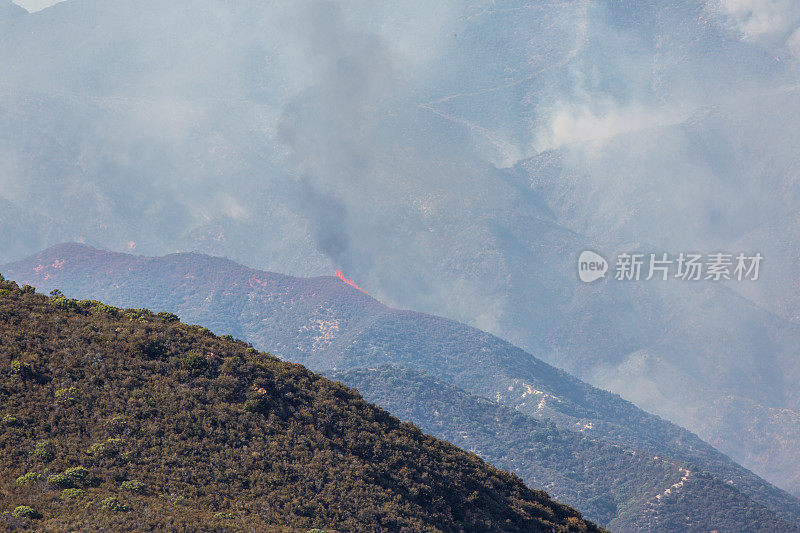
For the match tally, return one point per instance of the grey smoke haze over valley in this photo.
(452, 157)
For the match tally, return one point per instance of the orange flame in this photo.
(340, 275)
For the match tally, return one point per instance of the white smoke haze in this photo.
(760, 19)
(453, 157)
(771, 23)
(793, 43)
(36, 5)
(581, 123)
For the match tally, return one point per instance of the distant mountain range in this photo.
(10, 10)
(622, 466)
(618, 485)
(454, 158)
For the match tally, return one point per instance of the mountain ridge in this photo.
(10, 10)
(325, 323)
(596, 474)
(235, 128)
(157, 424)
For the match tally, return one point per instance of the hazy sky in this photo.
(35, 5)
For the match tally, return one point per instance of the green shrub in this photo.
(24, 511)
(27, 289)
(132, 486)
(153, 349)
(60, 480)
(28, 479)
(9, 421)
(227, 337)
(138, 314)
(112, 503)
(168, 317)
(230, 365)
(201, 330)
(78, 474)
(194, 360)
(109, 448)
(70, 494)
(224, 516)
(117, 425)
(62, 302)
(21, 369)
(45, 451)
(67, 395)
(258, 401)
(4, 292)
(99, 307)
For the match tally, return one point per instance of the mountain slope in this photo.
(377, 137)
(123, 419)
(719, 359)
(10, 10)
(625, 488)
(331, 326)
(31, 231)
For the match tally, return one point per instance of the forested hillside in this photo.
(125, 419)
